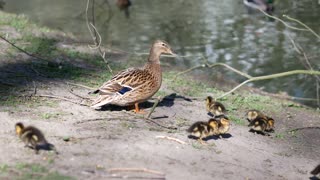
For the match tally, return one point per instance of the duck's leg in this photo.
(137, 110)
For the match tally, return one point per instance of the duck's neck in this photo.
(153, 63)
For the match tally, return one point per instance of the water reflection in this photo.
(221, 31)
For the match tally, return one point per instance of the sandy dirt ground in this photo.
(100, 140)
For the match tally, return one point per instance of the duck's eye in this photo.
(163, 44)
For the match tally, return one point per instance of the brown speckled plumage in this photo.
(134, 85)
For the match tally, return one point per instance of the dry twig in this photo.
(61, 98)
(272, 76)
(144, 170)
(96, 36)
(171, 139)
(80, 85)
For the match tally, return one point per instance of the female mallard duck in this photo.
(134, 85)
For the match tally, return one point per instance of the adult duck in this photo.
(134, 85)
(265, 5)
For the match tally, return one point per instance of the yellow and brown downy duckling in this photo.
(224, 124)
(262, 126)
(33, 138)
(134, 85)
(214, 107)
(316, 171)
(254, 114)
(270, 124)
(202, 129)
(124, 5)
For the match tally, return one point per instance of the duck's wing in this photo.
(121, 84)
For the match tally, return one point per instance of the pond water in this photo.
(221, 31)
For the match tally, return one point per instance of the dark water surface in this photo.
(222, 31)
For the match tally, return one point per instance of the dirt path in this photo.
(121, 140)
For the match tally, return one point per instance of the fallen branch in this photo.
(171, 139)
(272, 76)
(132, 177)
(302, 128)
(145, 170)
(301, 23)
(207, 65)
(284, 23)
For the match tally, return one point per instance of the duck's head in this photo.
(19, 127)
(224, 121)
(252, 114)
(209, 100)
(161, 47)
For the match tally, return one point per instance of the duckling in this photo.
(124, 5)
(224, 124)
(316, 171)
(259, 125)
(214, 107)
(200, 130)
(254, 114)
(32, 135)
(270, 124)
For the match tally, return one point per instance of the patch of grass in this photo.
(180, 122)
(10, 100)
(293, 133)
(197, 145)
(128, 125)
(30, 171)
(49, 115)
(40, 46)
(19, 22)
(3, 168)
(237, 120)
(279, 135)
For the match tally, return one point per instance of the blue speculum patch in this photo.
(124, 90)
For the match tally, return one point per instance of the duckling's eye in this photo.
(163, 44)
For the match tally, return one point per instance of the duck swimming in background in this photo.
(134, 85)
(124, 5)
(264, 5)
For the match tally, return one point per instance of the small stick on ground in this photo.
(80, 85)
(61, 98)
(77, 95)
(132, 177)
(145, 170)
(171, 139)
(154, 106)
